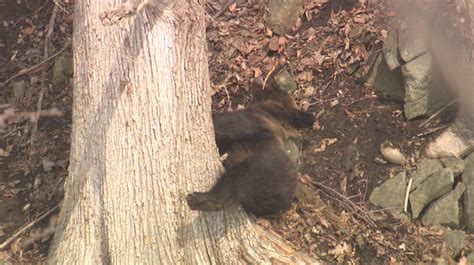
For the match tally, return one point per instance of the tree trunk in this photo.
(142, 140)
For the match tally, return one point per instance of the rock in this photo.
(445, 211)
(19, 88)
(455, 240)
(390, 49)
(392, 154)
(456, 164)
(426, 168)
(468, 202)
(418, 97)
(432, 188)
(410, 43)
(285, 80)
(47, 165)
(62, 71)
(283, 14)
(386, 82)
(391, 193)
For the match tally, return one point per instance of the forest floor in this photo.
(331, 40)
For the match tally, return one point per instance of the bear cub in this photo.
(260, 174)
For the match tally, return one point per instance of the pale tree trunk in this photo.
(142, 140)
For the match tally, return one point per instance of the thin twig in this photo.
(27, 70)
(344, 200)
(323, 100)
(428, 132)
(56, 3)
(266, 77)
(423, 124)
(222, 10)
(362, 99)
(5, 106)
(27, 226)
(407, 194)
(49, 32)
(37, 115)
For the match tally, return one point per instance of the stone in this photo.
(426, 168)
(390, 49)
(285, 81)
(432, 188)
(445, 211)
(456, 164)
(390, 195)
(419, 100)
(19, 88)
(455, 239)
(410, 43)
(283, 14)
(63, 70)
(468, 202)
(386, 82)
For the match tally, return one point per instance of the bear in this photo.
(259, 172)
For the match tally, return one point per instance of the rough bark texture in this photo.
(142, 140)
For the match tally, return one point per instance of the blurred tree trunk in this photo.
(142, 140)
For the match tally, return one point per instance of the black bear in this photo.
(259, 171)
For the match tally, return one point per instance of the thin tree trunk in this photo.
(142, 140)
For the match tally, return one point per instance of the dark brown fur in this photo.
(259, 172)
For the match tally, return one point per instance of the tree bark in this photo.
(143, 139)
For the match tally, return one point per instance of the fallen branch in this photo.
(27, 226)
(423, 124)
(35, 123)
(349, 204)
(407, 194)
(34, 67)
(223, 9)
(10, 114)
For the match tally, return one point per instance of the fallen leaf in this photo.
(273, 44)
(232, 7)
(28, 31)
(349, 114)
(257, 72)
(307, 61)
(318, 58)
(325, 143)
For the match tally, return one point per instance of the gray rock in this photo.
(19, 88)
(455, 239)
(468, 202)
(432, 188)
(417, 75)
(426, 168)
(63, 70)
(283, 14)
(445, 211)
(285, 80)
(456, 164)
(391, 193)
(410, 43)
(390, 49)
(386, 82)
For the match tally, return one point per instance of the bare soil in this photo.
(337, 224)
